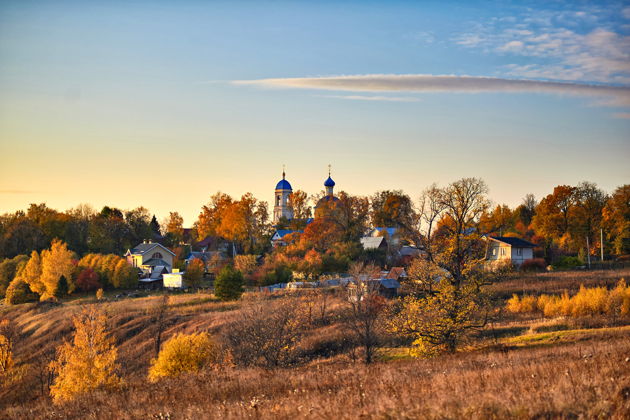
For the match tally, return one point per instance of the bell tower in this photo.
(281, 205)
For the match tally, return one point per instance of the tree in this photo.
(87, 280)
(267, 332)
(228, 284)
(194, 273)
(587, 214)
(125, 276)
(158, 314)
(57, 262)
(8, 270)
(61, 290)
(553, 213)
(437, 322)
(32, 274)
(366, 308)
(616, 217)
(393, 209)
(185, 354)
(19, 292)
(246, 264)
(439, 318)
(155, 227)
(89, 361)
(8, 335)
(175, 227)
(299, 202)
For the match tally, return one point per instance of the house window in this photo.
(494, 252)
(519, 252)
(157, 256)
(502, 251)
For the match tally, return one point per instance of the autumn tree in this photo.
(32, 274)
(553, 214)
(185, 353)
(211, 215)
(616, 219)
(587, 214)
(449, 302)
(56, 262)
(194, 273)
(246, 264)
(19, 292)
(393, 209)
(8, 270)
(89, 361)
(299, 202)
(87, 280)
(125, 276)
(8, 336)
(175, 227)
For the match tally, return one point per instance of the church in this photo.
(283, 210)
(282, 203)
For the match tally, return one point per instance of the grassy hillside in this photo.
(520, 366)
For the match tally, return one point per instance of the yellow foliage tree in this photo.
(32, 274)
(184, 354)
(89, 362)
(57, 262)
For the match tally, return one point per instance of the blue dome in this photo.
(329, 182)
(284, 185)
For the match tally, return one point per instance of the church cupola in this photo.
(282, 206)
(329, 184)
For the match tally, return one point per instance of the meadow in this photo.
(520, 366)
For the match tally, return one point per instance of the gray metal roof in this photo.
(156, 262)
(371, 242)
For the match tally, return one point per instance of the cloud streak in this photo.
(373, 98)
(424, 83)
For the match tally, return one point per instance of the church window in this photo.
(156, 255)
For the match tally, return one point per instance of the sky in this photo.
(162, 104)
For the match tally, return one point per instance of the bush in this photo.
(568, 262)
(19, 292)
(184, 354)
(87, 280)
(229, 284)
(588, 301)
(534, 264)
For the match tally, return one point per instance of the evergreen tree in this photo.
(62, 288)
(229, 284)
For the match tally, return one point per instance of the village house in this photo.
(150, 256)
(504, 249)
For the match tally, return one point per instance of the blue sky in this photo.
(163, 103)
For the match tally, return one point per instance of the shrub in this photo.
(19, 292)
(568, 262)
(588, 301)
(99, 294)
(87, 280)
(125, 276)
(184, 354)
(229, 284)
(534, 264)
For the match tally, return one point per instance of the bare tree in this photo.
(366, 307)
(158, 313)
(267, 332)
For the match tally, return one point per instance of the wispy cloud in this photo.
(568, 45)
(423, 83)
(373, 98)
(623, 115)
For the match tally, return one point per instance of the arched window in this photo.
(157, 256)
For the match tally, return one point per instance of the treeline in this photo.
(57, 272)
(560, 224)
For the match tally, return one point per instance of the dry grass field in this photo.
(521, 366)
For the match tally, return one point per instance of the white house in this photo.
(148, 255)
(174, 280)
(507, 249)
